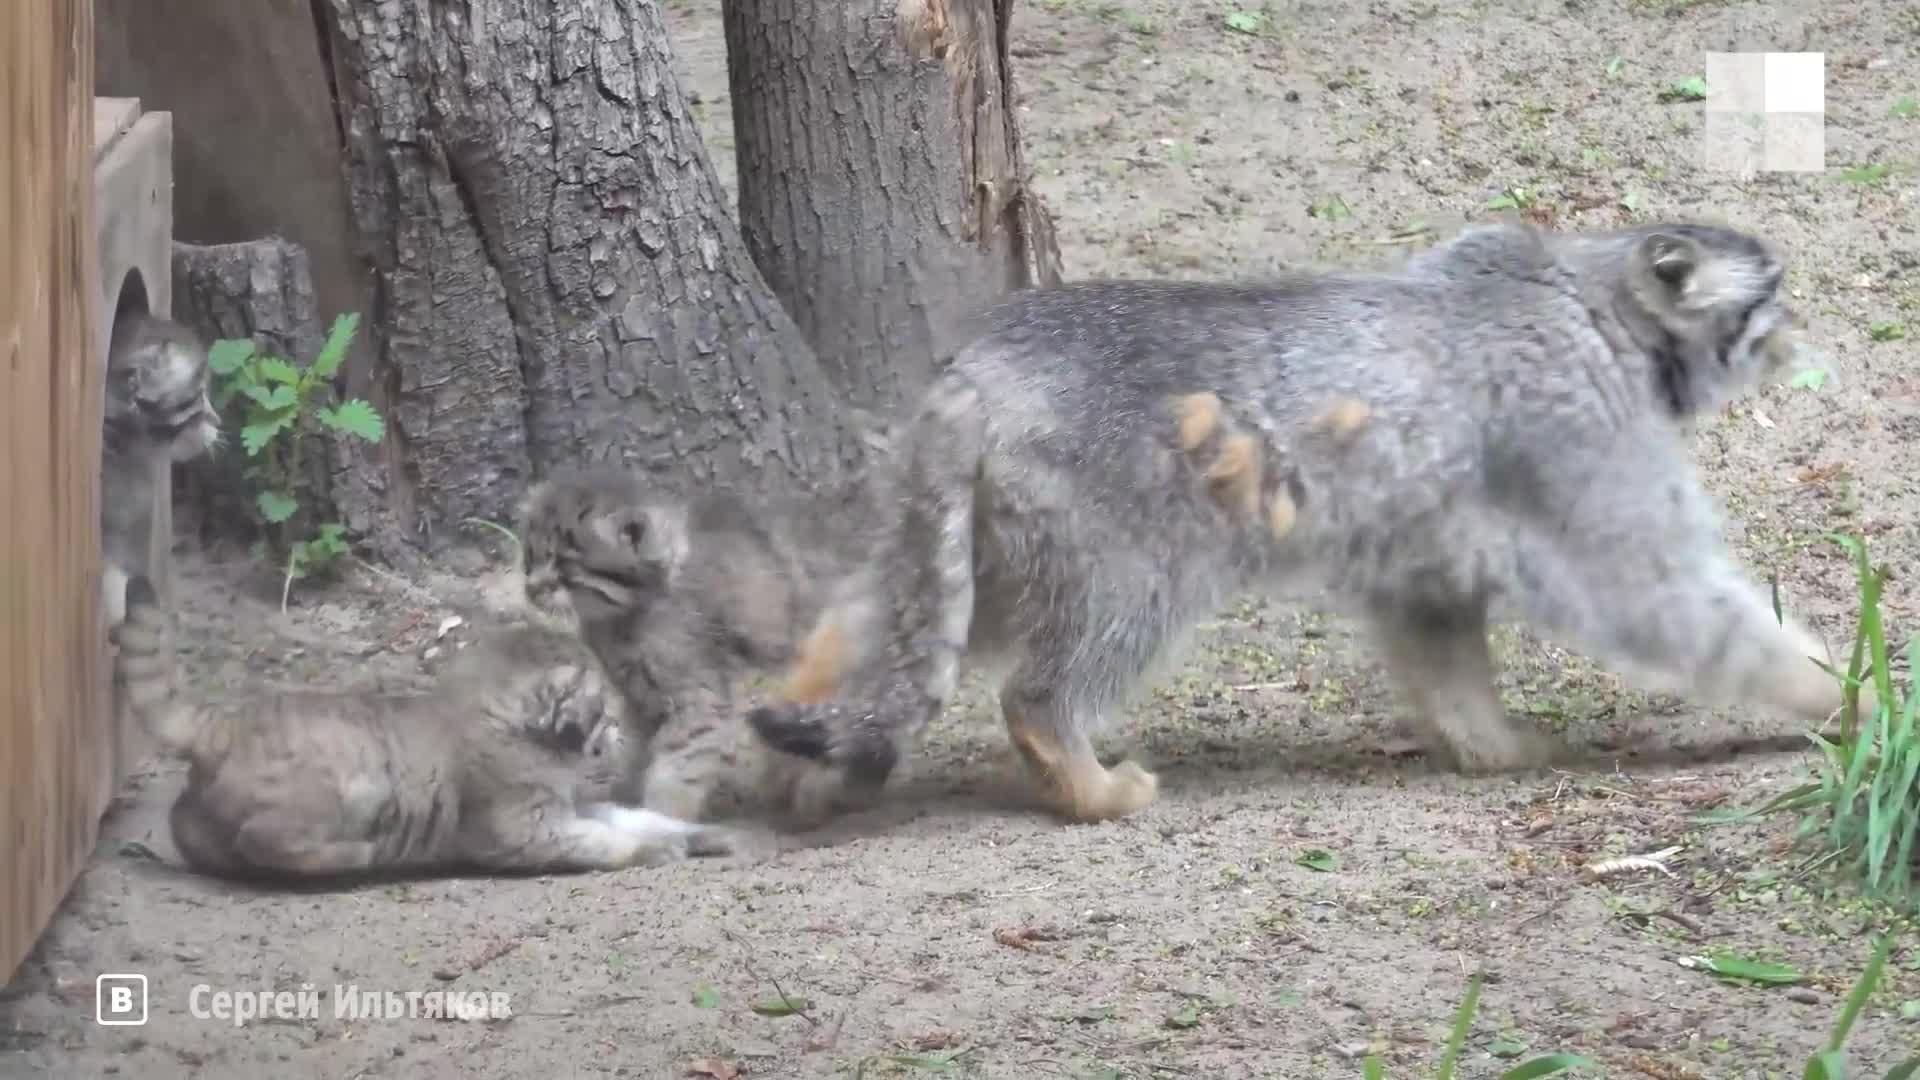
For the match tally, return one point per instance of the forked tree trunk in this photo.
(556, 276)
(882, 184)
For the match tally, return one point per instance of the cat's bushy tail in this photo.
(885, 659)
(144, 672)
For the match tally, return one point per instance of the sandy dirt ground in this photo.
(955, 931)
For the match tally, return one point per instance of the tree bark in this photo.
(882, 184)
(262, 290)
(246, 163)
(556, 278)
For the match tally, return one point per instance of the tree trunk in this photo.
(555, 276)
(882, 185)
(264, 291)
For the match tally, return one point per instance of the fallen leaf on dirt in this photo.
(1318, 859)
(1738, 968)
(781, 1006)
(705, 997)
(1820, 474)
(1656, 860)
(934, 1040)
(714, 1068)
(1025, 938)
(1660, 1070)
(1188, 1016)
(491, 951)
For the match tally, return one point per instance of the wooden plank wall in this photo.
(55, 729)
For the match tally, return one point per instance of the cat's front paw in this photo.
(1495, 746)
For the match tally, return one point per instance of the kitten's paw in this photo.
(711, 841)
(674, 796)
(656, 850)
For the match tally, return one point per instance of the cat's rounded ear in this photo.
(1671, 258)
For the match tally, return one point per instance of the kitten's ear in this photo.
(1672, 259)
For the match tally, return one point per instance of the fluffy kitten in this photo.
(679, 599)
(1521, 452)
(514, 772)
(157, 413)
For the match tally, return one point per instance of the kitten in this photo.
(157, 413)
(1521, 452)
(679, 599)
(512, 773)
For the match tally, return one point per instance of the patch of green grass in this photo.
(1861, 812)
(1691, 88)
(1372, 1068)
(1906, 106)
(1830, 1063)
(1867, 175)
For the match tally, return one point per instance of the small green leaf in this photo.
(355, 417)
(1906, 106)
(781, 1006)
(1503, 202)
(275, 370)
(255, 436)
(1910, 1010)
(1691, 88)
(1547, 1066)
(328, 544)
(1631, 201)
(275, 507)
(229, 355)
(1808, 379)
(1506, 1048)
(1330, 208)
(1318, 859)
(706, 997)
(1729, 966)
(1245, 22)
(1866, 174)
(272, 398)
(1887, 331)
(1188, 1016)
(1906, 1070)
(1614, 65)
(1373, 1068)
(327, 364)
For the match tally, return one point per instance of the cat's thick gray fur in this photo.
(1525, 455)
(514, 763)
(157, 412)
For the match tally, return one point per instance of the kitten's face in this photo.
(588, 544)
(158, 390)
